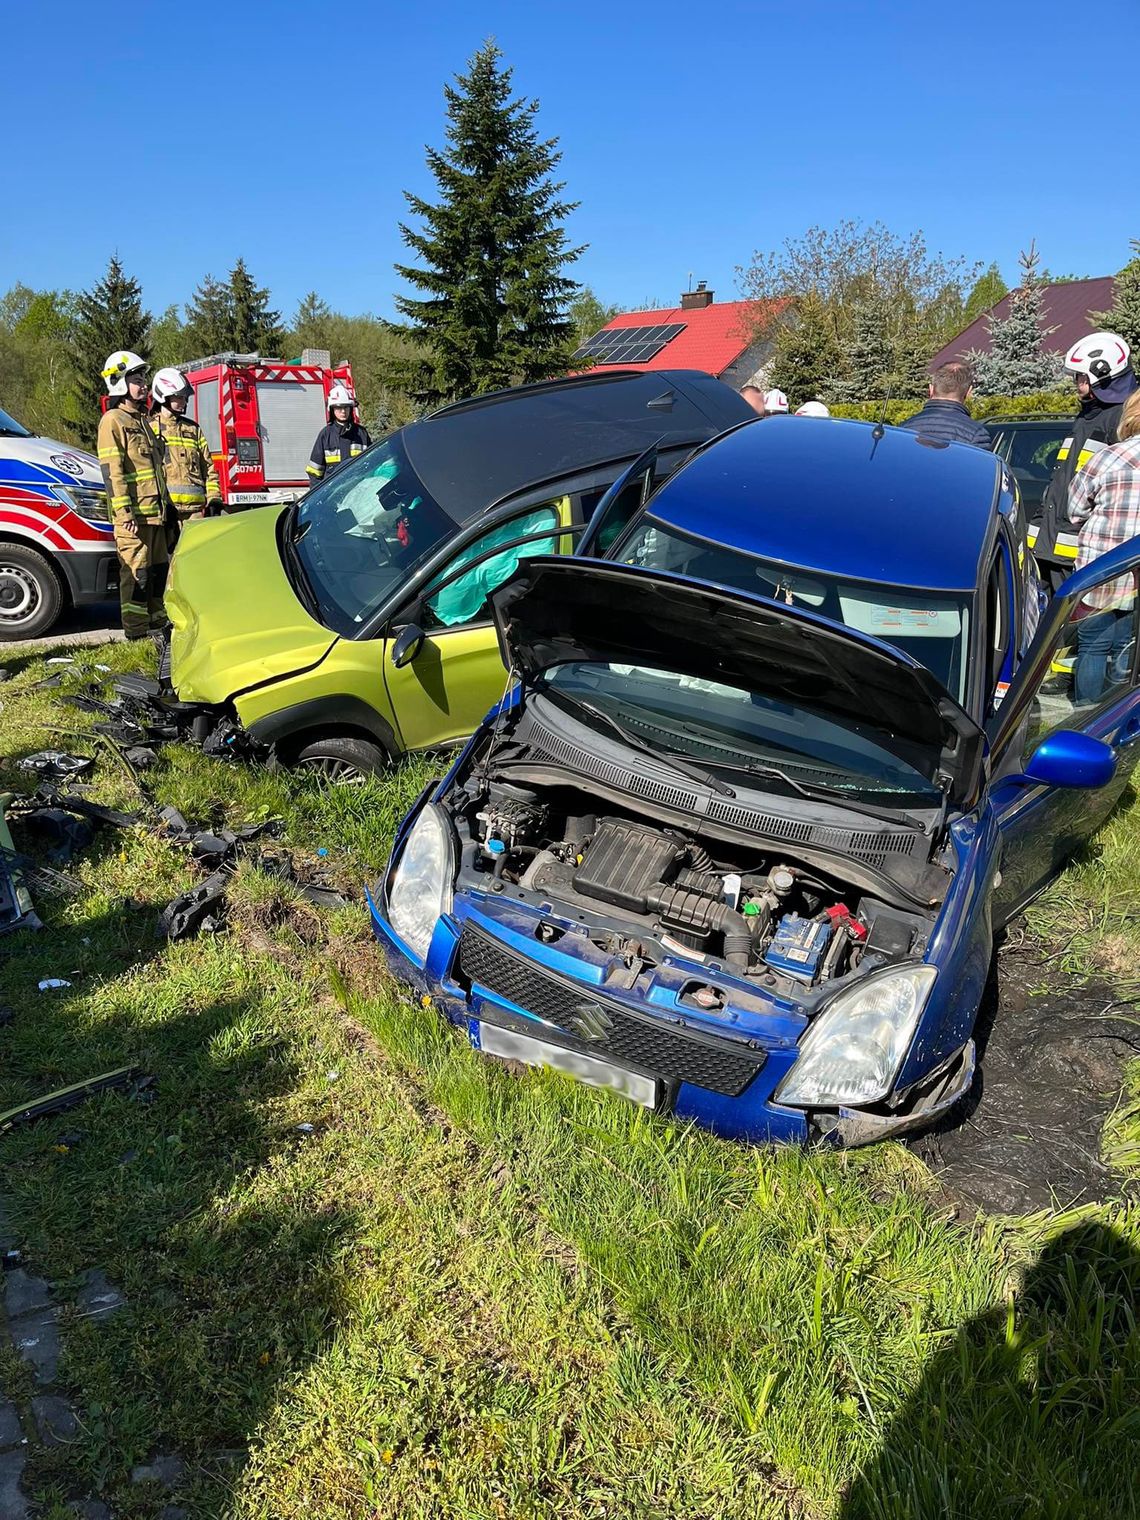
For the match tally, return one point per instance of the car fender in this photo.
(960, 947)
(325, 714)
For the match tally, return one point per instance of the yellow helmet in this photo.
(120, 364)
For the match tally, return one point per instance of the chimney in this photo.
(694, 300)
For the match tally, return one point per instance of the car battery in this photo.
(797, 946)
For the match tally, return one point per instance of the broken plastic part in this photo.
(54, 763)
(67, 1097)
(188, 913)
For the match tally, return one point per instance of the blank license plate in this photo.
(521, 1047)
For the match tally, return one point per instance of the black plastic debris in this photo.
(85, 809)
(139, 755)
(67, 1097)
(55, 764)
(193, 910)
(57, 834)
(5, 673)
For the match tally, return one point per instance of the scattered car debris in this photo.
(60, 659)
(51, 982)
(5, 673)
(54, 763)
(60, 835)
(192, 911)
(16, 909)
(67, 1097)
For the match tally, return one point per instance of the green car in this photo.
(354, 626)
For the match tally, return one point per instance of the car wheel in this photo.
(31, 598)
(342, 761)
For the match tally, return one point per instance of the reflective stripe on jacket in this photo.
(129, 460)
(191, 479)
(335, 446)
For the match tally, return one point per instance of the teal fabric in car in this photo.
(466, 597)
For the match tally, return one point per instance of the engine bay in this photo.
(644, 890)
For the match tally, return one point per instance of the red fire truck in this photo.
(260, 418)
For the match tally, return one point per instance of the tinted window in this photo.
(1033, 451)
(1093, 664)
(10, 428)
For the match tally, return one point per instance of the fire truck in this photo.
(261, 417)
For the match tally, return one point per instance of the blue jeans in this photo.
(1101, 639)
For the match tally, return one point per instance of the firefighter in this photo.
(130, 460)
(191, 480)
(342, 440)
(1102, 367)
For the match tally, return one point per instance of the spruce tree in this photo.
(209, 319)
(491, 250)
(108, 317)
(868, 355)
(807, 359)
(1124, 315)
(1018, 362)
(254, 328)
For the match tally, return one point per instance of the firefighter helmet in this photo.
(340, 395)
(812, 409)
(1101, 356)
(118, 366)
(168, 384)
(775, 401)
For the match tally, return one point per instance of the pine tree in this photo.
(312, 324)
(108, 317)
(868, 356)
(987, 292)
(492, 250)
(254, 328)
(807, 358)
(1124, 314)
(1018, 362)
(209, 319)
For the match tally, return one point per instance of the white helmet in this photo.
(169, 383)
(118, 366)
(812, 409)
(1101, 356)
(775, 401)
(340, 395)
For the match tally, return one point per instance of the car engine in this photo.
(631, 881)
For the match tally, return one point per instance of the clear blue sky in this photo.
(184, 135)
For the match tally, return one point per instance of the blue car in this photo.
(742, 856)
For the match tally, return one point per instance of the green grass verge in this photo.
(464, 1293)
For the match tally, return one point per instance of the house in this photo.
(1065, 306)
(697, 334)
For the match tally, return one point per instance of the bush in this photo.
(980, 406)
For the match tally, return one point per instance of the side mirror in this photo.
(409, 642)
(1068, 758)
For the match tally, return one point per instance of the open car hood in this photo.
(558, 610)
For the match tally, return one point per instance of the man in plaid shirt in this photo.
(1104, 498)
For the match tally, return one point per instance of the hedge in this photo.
(980, 406)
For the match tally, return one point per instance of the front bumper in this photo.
(92, 576)
(479, 974)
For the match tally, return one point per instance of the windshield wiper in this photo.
(819, 793)
(665, 757)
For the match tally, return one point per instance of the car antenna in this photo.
(878, 430)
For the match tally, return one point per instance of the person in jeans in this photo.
(946, 418)
(1104, 499)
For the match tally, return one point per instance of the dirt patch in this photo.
(1051, 1071)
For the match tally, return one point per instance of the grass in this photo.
(368, 1274)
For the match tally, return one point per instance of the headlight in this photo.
(88, 501)
(852, 1053)
(421, 882)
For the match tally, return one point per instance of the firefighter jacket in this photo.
(191, 480)
(130, 460)
(1094, 429)
(335, 446)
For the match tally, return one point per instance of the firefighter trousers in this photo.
(143, 563)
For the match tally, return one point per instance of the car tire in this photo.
(341, 760)
(31, 597)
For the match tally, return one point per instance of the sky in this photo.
(182, 137)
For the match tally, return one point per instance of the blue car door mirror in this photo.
(1069, 758)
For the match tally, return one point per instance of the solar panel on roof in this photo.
(629, 345)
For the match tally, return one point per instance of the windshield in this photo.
(931, 627)
(359, 535)
(10, 428)
(735, 728)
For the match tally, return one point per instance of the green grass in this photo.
(463, 1293)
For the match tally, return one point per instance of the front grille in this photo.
(615, 1033)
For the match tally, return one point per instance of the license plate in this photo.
(531, 1052)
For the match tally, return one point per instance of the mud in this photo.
(1051, 1071)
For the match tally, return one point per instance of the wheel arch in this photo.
(344, 717)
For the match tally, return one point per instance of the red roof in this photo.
(715, 336)
(1066, 307)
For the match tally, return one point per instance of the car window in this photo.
(999, 621)
(1093, 663)
(465, 599)
(1033, 451)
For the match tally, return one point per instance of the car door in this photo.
(619, 505)
(1042, 825)
(442, 693)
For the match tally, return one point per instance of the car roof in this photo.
(475, 452)
(831, 496)
(1032, 419)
